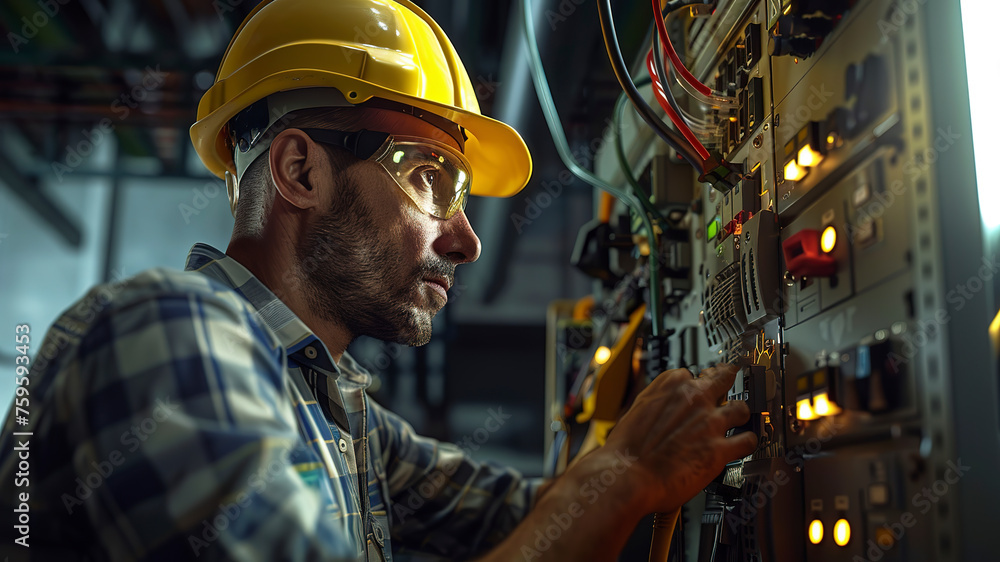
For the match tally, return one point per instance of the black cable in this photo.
(678, 4)
(673, 139)
(661, 73)
(664, 79)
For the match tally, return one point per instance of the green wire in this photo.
(643, 197)
(562, 147)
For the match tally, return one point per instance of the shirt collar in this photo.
(300, 343)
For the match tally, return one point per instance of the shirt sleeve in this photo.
(187, 418)
(441, 501)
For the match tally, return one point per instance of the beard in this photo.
(356, 277)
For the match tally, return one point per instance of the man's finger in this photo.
(718, 379)
(734, 413)
(738, 446)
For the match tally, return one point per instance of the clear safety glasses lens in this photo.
(435, 176)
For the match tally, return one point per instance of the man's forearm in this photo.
(586, 514)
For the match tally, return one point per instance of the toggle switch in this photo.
(805, 258)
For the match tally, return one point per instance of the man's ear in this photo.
(292, 156)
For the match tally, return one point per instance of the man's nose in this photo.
(457, 241)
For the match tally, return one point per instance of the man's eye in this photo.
(427, 178)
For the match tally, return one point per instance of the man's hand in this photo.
(663, 451)
(677, 429)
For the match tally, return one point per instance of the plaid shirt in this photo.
(181, 415)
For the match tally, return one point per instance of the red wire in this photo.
(674, 117)
(668, 46)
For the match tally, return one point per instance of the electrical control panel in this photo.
(829, 272)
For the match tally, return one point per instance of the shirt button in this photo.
(343, 445)
(310, 352)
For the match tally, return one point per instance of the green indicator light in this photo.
(720, 250)
(713, 228)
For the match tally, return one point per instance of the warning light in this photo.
(816, 531)
(793, 172)
(823, 407)
(804, 410)
(602, 355)
(808, 156)
(829, 239)
(841, 532)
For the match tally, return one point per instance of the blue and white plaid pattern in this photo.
(182, 415)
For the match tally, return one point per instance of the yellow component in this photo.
(816, 531)
(612, 377)
(583, 308)
(884, 538)
(828, 239)
(602, 355)
(823, 407)
(804, 411)
(995, 333)
(386, 49)
(793, 172)
(841, 532)
(597, 435)
(808, 156)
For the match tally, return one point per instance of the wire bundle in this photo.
(685, 143)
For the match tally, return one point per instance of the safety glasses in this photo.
(434, 175)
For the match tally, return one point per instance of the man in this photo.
(215, 414)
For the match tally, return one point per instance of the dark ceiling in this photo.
(63, 72)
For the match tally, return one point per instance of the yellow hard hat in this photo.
(366, 50)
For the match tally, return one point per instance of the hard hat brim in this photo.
(499, 157)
